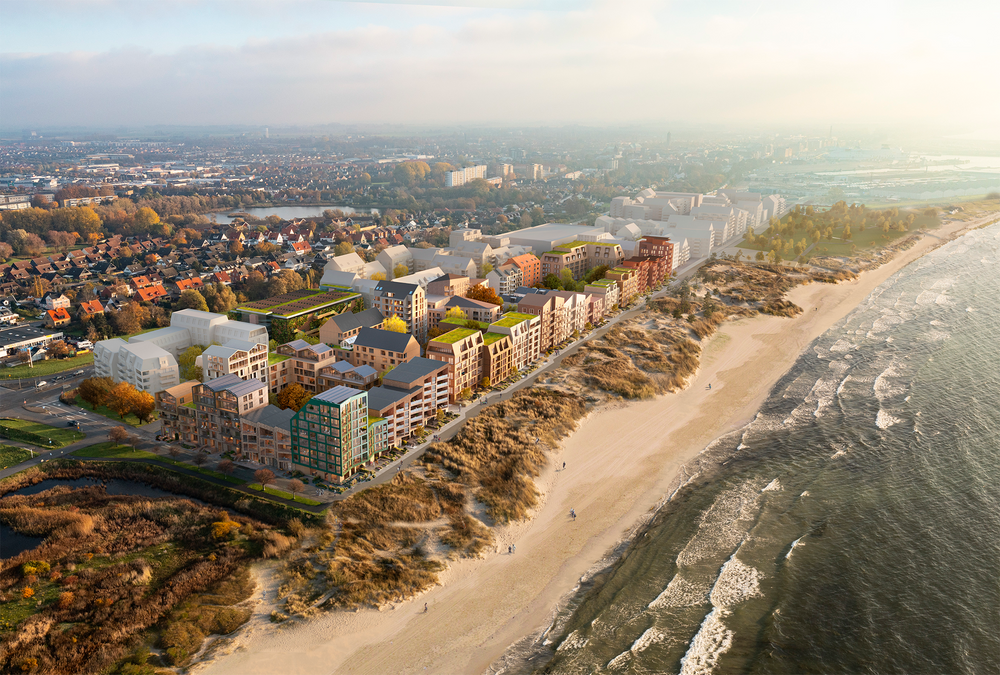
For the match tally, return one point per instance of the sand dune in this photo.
(620, 463)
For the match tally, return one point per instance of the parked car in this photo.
(79, 372)
(41, 384)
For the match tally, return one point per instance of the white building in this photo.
(463, 176)
(149, 361)
(246, 359)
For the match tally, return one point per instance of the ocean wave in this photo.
(773, 486)
(724, 524)
(884, 420)
(573, 641)
(795, 545)
(711, 641)
(737, 583)
(681, 592)
(841, 345)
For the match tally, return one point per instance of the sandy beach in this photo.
(622, 461)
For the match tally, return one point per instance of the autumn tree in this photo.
(129, 319)
(58, 348)
(265, 477)
(236, 247)
(200, 459)
(343, 248)
(293, 397)
(456, 313)
(121, 398)
(378, 276)
(219, 298)
(484, 294)
(394, 324)
(191, 299)
(117, 435)
(295, 486)
(95, 390)
(5, 251)
(400, 270)
(226, 466)
(143, 405)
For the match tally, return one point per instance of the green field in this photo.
(285, 495)
(61, 437)
(114, 451)
(50, 367)
(10, 455)
(130, 419)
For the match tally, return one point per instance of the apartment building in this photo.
(334, 436)
(525, 332)
(463, 176)
(461, 349)
(449, 285)
(220, 404)
(339, 328)
(410, 397)
(628, 284)
(178, 413)
(650, 271)
(506, 278)
(607, 290)
(658, 247)
(382, 349)
(477, 310)
(246, 359)
(267, 437)
(577, 309)
(407, 301)
(498, 357)
(554, 315)
(531, 269)
(346, 374)
(580, 257)
(304, 363)
(145, 366)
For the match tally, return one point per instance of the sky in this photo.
(102, 63)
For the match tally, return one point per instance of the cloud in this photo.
(605, 63)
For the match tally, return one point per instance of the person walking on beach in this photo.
(513, 548)
(564, 466)
(572, 512)
(509, 551)
(425, 608)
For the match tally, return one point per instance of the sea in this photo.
(852, 527)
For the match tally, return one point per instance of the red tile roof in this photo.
(58, 315)
(151, 293)
(92, 307)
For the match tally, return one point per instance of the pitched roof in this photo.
(272, 416)
(413, 369)
(337, 394)
(350, 320)
(92, 307)
(383, 339)
(59, 314)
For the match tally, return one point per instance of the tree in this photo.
(191, 299)
(263, 476)
(128, 319)
(293, 397)
(378, 276)
(117, 435)
(456, 313)
(226, 466)
(295, 486)
(485, 383)
(134, 440)
(145, 221)
(58, 348)
(173, 451)
(121, 398)
(95, 390)
(200, 458)
(186, 363)
(343, 248)
(484, 294)
(236, 247)
(552, 281)
(566, 277)
(219, 298)
(487, 268)
(5, 251)
(394, 324)
(143, 405)
(466, 394)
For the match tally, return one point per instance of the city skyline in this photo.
(101, 63)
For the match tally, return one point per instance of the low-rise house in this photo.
(55, 318)
(90, 309)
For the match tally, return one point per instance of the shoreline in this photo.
(623, 461)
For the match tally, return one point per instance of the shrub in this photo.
(182, 639)
(28, 592)
(66, 599)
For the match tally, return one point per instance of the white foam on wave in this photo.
(938, 336)
(935, 322)
(840, 387)
(839, 453)
(723, 524)
(805, 493)
(841, 345)
(650, 637)
(737, 583)
(711, 641)
(681, 592)
(795, 545)
(773, 486)
(926, 298)
(885, 323)
(884, 420)
(573, 641)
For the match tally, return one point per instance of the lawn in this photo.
(38, 434)
(50, 367)
(130, 419)
(10, 455)
(114, 451)
(285, 495)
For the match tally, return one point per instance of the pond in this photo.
(13, 543)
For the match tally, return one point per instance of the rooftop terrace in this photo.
(453, 336)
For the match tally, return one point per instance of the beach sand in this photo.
(621, 462)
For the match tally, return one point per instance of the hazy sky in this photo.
(552, 62)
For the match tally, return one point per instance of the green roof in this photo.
(453, 336)
(557, 253)
(273, 358)
(602, 282)
(374, 420)
(511, 319)
(490, 338)
(577, 243)
(190, 405)
(463, 322)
